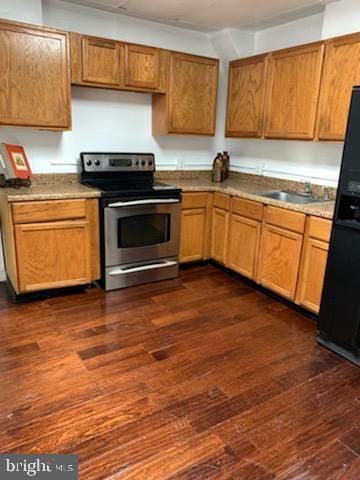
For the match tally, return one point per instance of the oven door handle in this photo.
(147, 201)
(141, 268)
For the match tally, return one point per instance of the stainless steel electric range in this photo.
(139, 218)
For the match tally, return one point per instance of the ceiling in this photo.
(211, 15)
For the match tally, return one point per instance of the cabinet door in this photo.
(293, 90)
(142, 67)
(53, 254)
(243, 245)
(245, 101)
(279, 260)
(34, 77)
(219, 230)
(312, 274)
(101, 61)
(192, 94)
(193, 235)
(341, 72)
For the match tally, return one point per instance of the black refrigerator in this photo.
(339, 318)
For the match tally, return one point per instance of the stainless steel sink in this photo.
(292, 196)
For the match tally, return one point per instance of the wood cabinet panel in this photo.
(220, 200)
(312, 273)
(247, 208)
(320, 228)
(245, 100)
(53, 254)
(42, 211)
(142, 67)
(243, 245)
(287, 219)
(340, 73)
(280, 253)
(193, 235)
(34, 77)
(189, 106)
(194, 200)
(293, 88)
(219, 234)
(101, 61)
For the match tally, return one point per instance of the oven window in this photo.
(143, 230)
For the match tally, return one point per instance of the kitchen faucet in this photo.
(308, 187)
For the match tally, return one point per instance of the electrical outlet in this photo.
(260, 169)
(180, 164)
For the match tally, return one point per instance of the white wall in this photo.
(341, 17)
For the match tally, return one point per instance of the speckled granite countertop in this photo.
(56, 191)
(243, 189)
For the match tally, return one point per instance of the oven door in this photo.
(140, 230)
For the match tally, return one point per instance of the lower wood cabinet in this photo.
(280, 254)
(50, 244)
(194, 227)
(283, 250)
(53, 254)
(243, 245)
(219, 226)
(313, 263)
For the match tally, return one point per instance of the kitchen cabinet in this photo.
(246, 93)
(34, 77)
(101, 61)
(142, 67)
(244, 237)
(280, 251)
(313, 263)
(340, 73)
(292, 92)
(195, 227)
(50, 244)
(219, 226)
(189, 106)
(106, 63)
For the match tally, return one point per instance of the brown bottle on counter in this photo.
(217, 169)
(226, 164)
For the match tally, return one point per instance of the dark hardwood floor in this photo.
(201, 377)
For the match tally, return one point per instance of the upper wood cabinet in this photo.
(189, 107)
(292, 92)
(245, 101)
(340, 73)
(101, 61)
(34, 77)
(104, 63)
(142, 67)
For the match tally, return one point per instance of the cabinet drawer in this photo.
(320, 228)
(247, 208)
(287, 219)
(43, 211)
(194, 200)
(222, 201)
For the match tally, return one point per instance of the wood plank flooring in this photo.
(201, 377)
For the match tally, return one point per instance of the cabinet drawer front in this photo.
(194, 200)
(43, 211)
(222, 201)
(320, 228)
(287, 219)
(247, 208)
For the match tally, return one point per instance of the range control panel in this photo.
(117, 162)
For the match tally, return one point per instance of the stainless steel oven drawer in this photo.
(136, 273)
